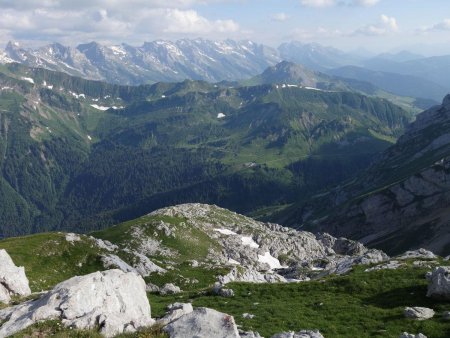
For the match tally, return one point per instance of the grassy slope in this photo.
(361, 304)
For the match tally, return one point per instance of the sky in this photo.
(422, 26)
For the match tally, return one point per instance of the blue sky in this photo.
(375, 25)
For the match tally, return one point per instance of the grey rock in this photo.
(169, 289)
(71, 237)
(203, 322)
(251, 276)
(299, 334)
(419, 313)
(151, 287)
(409, 335)
(446, 315)
(13, 281)
(391, 265)
(175, 311)
(104, 244)
(249, 334)
(439, 283)
(114, 261)
(418, 254)
(112, 300)
(219, 290)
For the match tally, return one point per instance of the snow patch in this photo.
(273, 262)
(221, 115)
(89, 138)
(312, 88)
(96, 106)
(247, 240)
(225, 231)
(77, 96)
(28, 79)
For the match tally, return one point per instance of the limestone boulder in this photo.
(300, 334)
(439, 283)
(169, 289)
(418, 313)
(203, 322)
(13, 281)
(113, 300)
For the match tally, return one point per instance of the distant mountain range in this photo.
(404, 73)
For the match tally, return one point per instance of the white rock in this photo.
(13, 281)
(439, 283)
(391, 265)
(145, 267)
(203, 322)
(169, 289)
(175, 311)
(103, 244)
(419, 313)
(251, 276)
(409, 335)
(300, 334)
(112, 300)
(419, 253)
(71, 237)
(248, 315)
(113, 261)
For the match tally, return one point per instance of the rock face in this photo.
(112, 300)
(203, 322)
(300, 334)
(419, 313)
(13, 281)
(439, 283)
(405, 191)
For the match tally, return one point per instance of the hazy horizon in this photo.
(377, 26)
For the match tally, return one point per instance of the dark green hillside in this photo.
(71, 162)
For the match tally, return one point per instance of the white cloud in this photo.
(329, 3)
(189, 21)
(385, 26)
(318, 3)
(365, 3)
(444, 25)
(108, 21)
(280, 17)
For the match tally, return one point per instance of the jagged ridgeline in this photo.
(84, 154)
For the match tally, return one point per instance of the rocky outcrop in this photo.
(112, 300)
(391, 265)
(409, 335)
(300, 334)
(417, 254)
(203, 322)
(419, 313)
(169, 289)
(262, 252)
(439, 283)
(13, 281)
